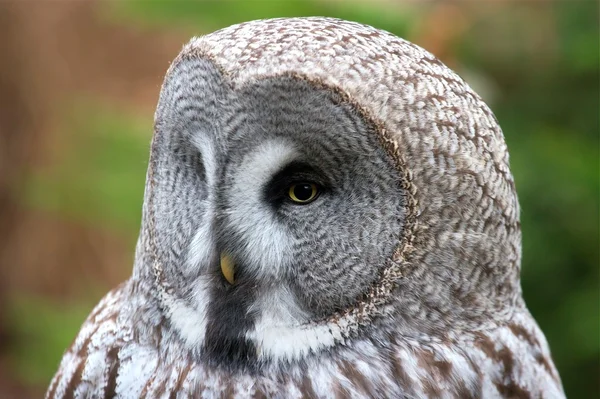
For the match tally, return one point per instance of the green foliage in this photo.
(211, 15)
(100, 177)
(44, 335)
(548, 108)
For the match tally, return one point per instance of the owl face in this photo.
(308, 201)
(290, 186)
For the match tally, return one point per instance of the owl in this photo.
(328, 213)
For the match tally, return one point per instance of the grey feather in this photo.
(400, 280)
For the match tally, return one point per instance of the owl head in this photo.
(312, 179)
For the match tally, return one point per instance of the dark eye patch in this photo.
(276, 191)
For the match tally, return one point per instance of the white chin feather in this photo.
(282, 332)
(288, 343)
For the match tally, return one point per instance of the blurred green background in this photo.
(78, 83)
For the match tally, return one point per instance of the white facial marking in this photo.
(189, 317)
(209, 158)
(264, 241)
(202, 248)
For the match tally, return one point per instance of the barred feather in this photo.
(439, 315)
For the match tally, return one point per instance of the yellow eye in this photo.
(303, 193)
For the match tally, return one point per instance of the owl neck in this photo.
(280, 333)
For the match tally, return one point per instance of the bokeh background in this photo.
(78, 84)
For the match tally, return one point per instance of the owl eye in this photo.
(303, 193)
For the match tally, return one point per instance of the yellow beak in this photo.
(227, 268)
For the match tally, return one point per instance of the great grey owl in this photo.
(329, 212)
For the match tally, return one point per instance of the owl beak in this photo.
(227, 268)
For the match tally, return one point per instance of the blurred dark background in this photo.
(78, 84)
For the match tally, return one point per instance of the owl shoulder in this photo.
(510, 360)
(90, 365)
(514, 360)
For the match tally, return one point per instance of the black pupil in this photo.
(303, 191)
